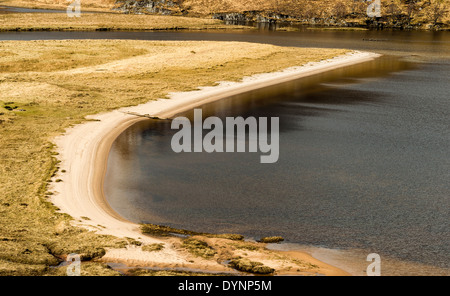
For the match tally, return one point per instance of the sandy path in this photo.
(83, 151)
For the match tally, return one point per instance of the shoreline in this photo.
(249, 17)
(84, 150)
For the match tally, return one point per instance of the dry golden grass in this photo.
(36, 58)
(421, 12)
(91, 22)
(47, 86)
(309, 8)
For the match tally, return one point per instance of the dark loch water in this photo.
(10, 9)
(364, 154)
(364, 163)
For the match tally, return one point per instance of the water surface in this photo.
(364, 164)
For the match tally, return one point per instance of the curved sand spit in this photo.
(83, 151)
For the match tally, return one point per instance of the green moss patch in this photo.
(246, 265)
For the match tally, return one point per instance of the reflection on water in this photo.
(292, 91)
(363, 165)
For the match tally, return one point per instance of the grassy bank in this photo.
(48, 86)
(418, 14)
(104, 22)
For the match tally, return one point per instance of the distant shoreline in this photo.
(237, 18)
(84, 150)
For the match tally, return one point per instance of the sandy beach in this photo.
(83, 152)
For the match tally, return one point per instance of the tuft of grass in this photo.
(246, 246)
(161, 230)
(199, 248)
(8, 268)
(271, 239)
(230, 236)
(133, 242)
(287, 29)
(153, 247)
(245, 265)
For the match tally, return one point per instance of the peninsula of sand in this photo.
(84, 149)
